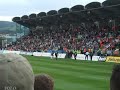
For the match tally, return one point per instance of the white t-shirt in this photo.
(87, 53)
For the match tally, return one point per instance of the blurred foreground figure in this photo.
(15, 73)
(115, 78)
(43, 82)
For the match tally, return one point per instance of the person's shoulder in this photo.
(116, 68)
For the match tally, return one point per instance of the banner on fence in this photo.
(113, 59)
(62, 55)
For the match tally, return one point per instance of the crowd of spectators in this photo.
(98, 37)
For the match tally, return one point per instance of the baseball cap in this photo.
(15, 73)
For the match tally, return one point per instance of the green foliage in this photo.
(6, 26)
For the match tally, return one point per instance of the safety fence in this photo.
(60, 55)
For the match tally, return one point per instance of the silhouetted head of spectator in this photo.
(115, 78)
(43, 82)
(15, 73)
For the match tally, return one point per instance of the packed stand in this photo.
(98, 37)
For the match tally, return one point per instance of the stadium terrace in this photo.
(94, 28)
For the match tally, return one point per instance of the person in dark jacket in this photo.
(91, 55)
(56, 55)
(75, 55)
(52, 54)
(115, 78)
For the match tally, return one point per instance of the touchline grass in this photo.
(74, 75)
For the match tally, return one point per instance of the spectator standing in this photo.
(56, 55)
(52, 54)
(86, 55)
(75, 55)
(91, 55)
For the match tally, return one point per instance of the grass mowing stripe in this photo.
(95, 71)
(77, 70)
(67, 79)
(73, 62)
(74, 75)
(74, 68)
(79, 86)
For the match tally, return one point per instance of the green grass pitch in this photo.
(74, 75)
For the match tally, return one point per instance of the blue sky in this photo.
(12, 8)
